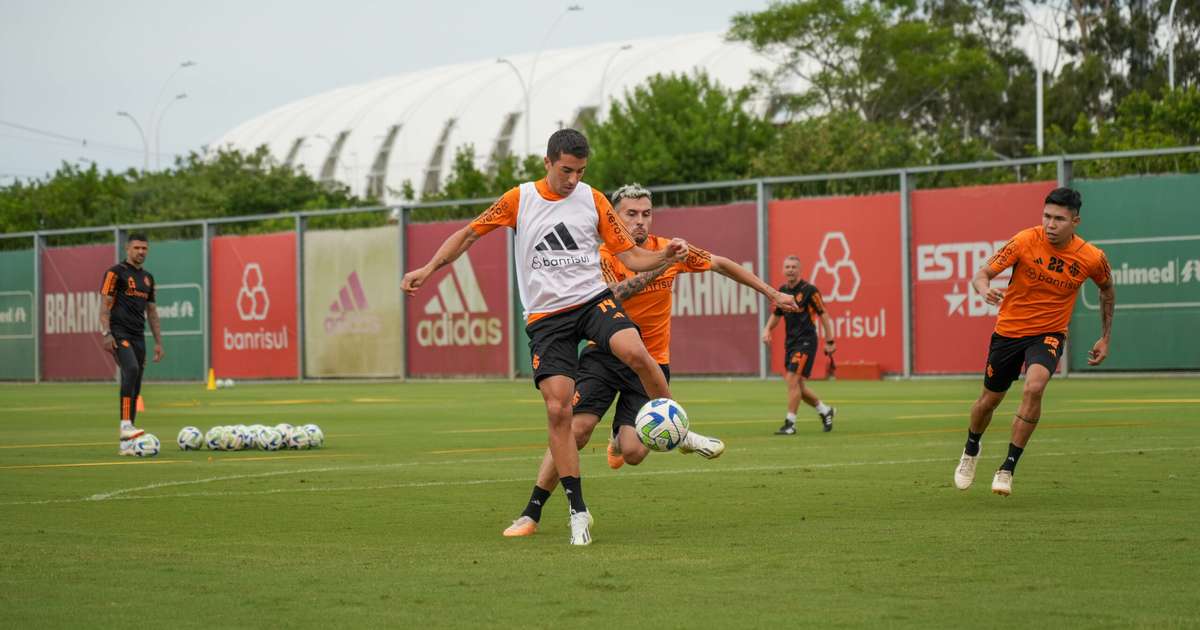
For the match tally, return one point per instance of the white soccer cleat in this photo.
(581, 523)
(132, 433)
(523, 526)
(707, 447)
(1002, 483)
(126, 448)
(964, 475)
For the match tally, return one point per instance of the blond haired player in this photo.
(1050, 263)
(647, 299)
(560, 223)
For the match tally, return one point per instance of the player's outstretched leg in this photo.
(706, 447)
(557, 391)
(981, 417)
(1036, 378)
(626, 345)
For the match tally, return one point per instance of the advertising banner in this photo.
(459, 322)
(254, 306)
(17, 334)
(954, 232)
(849, 247)
(1149, 227)
(178, 272)
(714, 320)
(352, 303)
(71, 344)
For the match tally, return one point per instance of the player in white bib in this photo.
(560, 223)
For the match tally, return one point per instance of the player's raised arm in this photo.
(502, 213)
(627, 288)
(741, 275)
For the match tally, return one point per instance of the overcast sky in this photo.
(70, 65)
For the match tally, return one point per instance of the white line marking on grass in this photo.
(127, 494)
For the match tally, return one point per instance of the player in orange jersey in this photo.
(647, 299)
(1050, 263)
(560, 223)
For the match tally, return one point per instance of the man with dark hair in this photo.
(800, 345)
(128, 296)
(646, 297)
(560, 223)
(1050, 263)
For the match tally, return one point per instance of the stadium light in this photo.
(525, 92)
(156, 115)
(158, 128)
(142, 134)
(604, 74)
(1171, 46)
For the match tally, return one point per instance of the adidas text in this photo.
(459, 330)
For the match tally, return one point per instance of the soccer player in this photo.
(647, 300)
(128, 296)
(800, 347)
(559, 223)
(1050, 263)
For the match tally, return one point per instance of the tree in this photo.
(675, 129)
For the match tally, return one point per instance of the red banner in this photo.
(954, 232)
(254, 306)
(459, 322)
(849, 247)
(714, 323)
(71, 302)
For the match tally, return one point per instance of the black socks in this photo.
(537, 501)
(574, 491)
(1014, 454)
(972, 447)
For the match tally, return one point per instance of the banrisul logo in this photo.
(456, 316)
(350, 313)
(558, 239)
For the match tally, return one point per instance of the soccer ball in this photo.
(215, 438)
(285, 431)
(316, 437)
(146, 446)
(244, 438)
(269, 439)
(661, 424)
(190, 439)
(298, 439)
(253, 430)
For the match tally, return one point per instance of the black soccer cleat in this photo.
(827, 420)
(788, 428)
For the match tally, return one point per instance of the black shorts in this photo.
(601, 377)
(554, 340)
(800, 356)
(1006, 355)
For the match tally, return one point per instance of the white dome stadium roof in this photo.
(374, 136)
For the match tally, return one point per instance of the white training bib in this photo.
(557, 250)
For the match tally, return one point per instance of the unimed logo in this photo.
(253, 304)
(453, 316)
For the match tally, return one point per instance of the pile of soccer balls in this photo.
(241, 437)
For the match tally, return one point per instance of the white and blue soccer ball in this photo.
(146, 446)
(298, 439)
(244, 438)
(215, 439)
(254, 430)
(190, 439)
(269, 439)
(661, 424)
(316, 437)
(285, 431)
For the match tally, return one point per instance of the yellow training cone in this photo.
(212, 380)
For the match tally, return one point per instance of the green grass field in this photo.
(397, 521)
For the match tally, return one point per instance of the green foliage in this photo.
(226, 184)
(676, 129)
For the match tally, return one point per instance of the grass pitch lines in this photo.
(63, 445)
(139, 462)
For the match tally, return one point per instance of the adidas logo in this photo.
(448, 320)
(347, 314)
(558, 239)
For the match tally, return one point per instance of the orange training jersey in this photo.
(556, 249)
(650, 308)
(1045, 279)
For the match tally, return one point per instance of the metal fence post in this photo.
(38, 300)
(402, 243)
(509, 304)
(300, 297)
(906, 272)
(206, 294)
(1063, 168)
(761, 192)
(117, 234)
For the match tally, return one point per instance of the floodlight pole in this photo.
(142, 134)
(525, 92)
(1171, 46)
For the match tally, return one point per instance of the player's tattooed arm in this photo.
(156, 328)
(1108, 304)
(110, 344)
(453, 247)
(629, 287)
